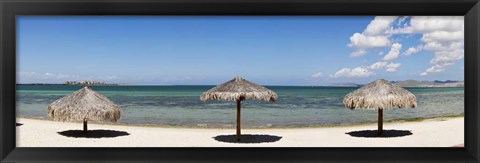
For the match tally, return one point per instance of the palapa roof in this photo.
(84, 103)
(380, 94)
(239, 89)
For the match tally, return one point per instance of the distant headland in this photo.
(414, 83)
(83, 82)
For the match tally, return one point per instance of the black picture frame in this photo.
(9, 9)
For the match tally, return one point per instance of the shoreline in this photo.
(267, 127)
(436, 132)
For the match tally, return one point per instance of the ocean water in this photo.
(296, 106)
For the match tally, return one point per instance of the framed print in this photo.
(142, 81)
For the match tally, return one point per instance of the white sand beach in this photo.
(436, 132)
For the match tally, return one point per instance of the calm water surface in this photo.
(296, 106)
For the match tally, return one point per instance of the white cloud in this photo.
(362, 41)
(358, 53)
(436, 46)
(317, 75)
(427, 24)
(402, 21)
(392, 67)
(358, 72)
(445, 54)
(378, 65)
(413, 50)
(380, 25)
(375, 35)
(435, 68)
(393, 53)
(443, 35)
(447, 57)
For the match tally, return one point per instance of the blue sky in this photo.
(269, 50)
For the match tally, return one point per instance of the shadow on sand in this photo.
(93, 133)
(373, 133)
(248, 138)
(18, 124)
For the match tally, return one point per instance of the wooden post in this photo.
(238, 120)
(380, 122)
(85, 125)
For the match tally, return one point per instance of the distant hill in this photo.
(412, 83)
(446, 81)
(436, 83)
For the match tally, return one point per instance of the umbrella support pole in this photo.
(85, 122)
(238, 120)
(380, 122)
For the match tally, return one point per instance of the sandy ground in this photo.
(437, 132)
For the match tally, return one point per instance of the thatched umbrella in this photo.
(380, 95)
(84, 105)
(239, 89)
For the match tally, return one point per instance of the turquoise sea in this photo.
(296, 105)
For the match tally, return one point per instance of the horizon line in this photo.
(344, 84)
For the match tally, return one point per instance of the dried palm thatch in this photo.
(380, 94)
(84, 105)
(239, 89)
